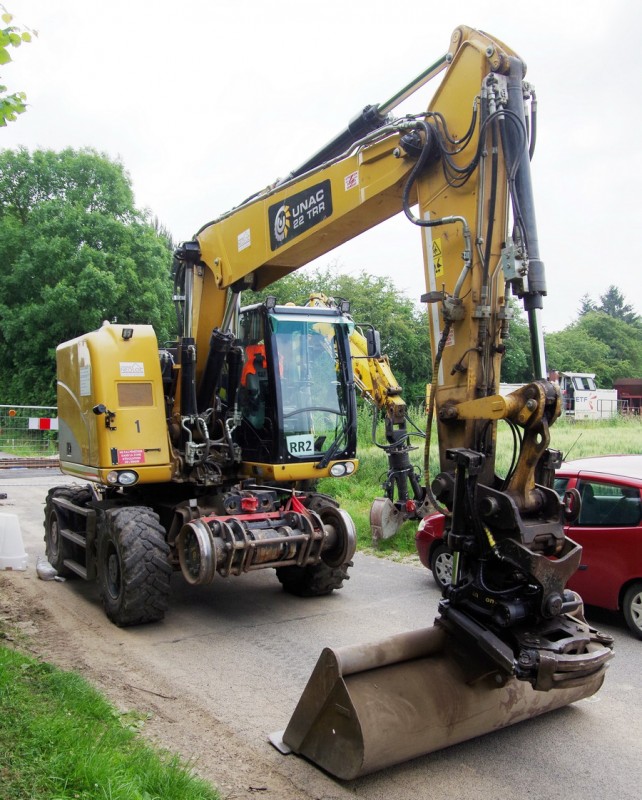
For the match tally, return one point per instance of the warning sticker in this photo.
(351, 181)
(131, 456)
(132, 369)
(244, 240)
(438, 257)
(85, 381)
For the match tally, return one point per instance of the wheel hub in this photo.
(113, 574)
(54, 535)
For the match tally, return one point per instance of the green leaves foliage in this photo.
(612, 303)
(11, 36)
(600, 343)
(517, 365)
(85, 179)
(75, 252)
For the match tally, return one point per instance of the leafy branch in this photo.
(11, 36)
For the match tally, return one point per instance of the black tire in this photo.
(133, 566)
(632, 608)
(58, 549)
(314, 580)
(441, 566)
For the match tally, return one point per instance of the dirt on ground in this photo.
(178, 726)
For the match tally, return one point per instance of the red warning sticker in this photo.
(131, 456)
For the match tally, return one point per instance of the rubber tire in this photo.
(632, 607)
(315, 580)
(58, 549)
(133, 566)
(441, 565)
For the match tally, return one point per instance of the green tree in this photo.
(11, 36)
(517, 364)
(586, 305)
(599, 343)
(375, 301)
(75, 252)
(612, 303)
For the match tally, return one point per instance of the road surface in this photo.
(229, 662)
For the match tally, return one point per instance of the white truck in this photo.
(580, 395)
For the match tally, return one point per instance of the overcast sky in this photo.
(207, 101)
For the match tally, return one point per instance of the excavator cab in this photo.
(296, 398)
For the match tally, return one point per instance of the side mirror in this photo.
(373, 341)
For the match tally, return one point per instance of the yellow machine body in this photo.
(115, 368)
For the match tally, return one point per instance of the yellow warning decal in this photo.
(437, 257)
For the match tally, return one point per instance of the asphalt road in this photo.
(242, 650)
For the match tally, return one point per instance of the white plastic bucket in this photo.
(12, 551)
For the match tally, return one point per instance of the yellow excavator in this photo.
(201, 457)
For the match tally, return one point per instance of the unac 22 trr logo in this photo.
(294, 215)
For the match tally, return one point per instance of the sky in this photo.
(208, 101)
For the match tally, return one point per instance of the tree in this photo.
(375, 301)
(75, 252)
(517, 364)
(586, 305)
(612, 303)
(599, 343)
(11, 36)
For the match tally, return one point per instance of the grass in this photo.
(578, 439)
(61, 740)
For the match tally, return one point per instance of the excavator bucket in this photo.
(385, 519)
(370, 706)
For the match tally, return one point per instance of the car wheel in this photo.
(632, 607)
(441, 565)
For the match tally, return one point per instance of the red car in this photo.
(609, 528)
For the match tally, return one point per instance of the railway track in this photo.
(52, 462)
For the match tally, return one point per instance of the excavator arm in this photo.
(508, 634)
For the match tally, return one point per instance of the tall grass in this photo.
(578, 439)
